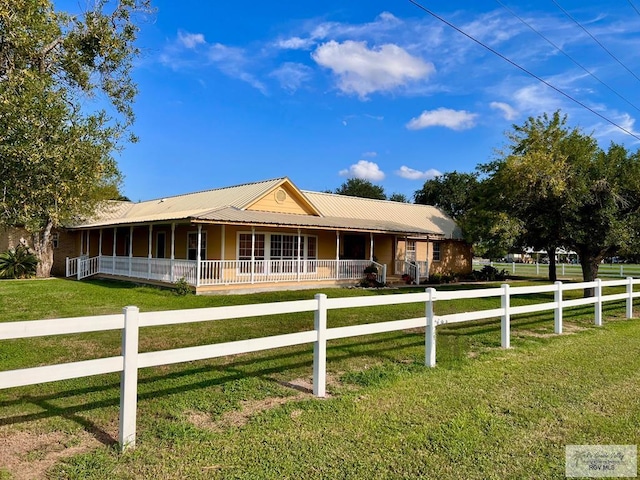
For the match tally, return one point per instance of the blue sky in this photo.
(235, 92)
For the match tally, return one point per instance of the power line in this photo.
(634, 7)
(595, 40)
(495, 52)
(566, 54)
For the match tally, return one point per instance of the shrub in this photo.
(182, 287)
(490, 274)
(18, 262)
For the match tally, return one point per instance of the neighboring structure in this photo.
(264, 233)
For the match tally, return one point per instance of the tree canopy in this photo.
(562, 189)
(56, 157)
(453, 192)
(356, 187)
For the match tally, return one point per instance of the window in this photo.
(55, 240)
(278, 251)
(411, 251)
(436, 251)
(244, 252)
(192, 246)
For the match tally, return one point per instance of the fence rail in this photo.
(562, 269)
(131, 320)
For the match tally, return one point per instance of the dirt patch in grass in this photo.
(29, 455)
(567, 328)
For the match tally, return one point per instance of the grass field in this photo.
(483, 412)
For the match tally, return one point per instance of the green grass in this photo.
(483, 412)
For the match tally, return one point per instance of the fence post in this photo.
(384, 273)
(320, 347)
(430, 333)
(505, 324)
(129, 378)
(598, 312)
(630, 297)
(537, 268)
(563, 269)
(513, 268)
(621, 270)
(557, 317)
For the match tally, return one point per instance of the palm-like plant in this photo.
(18, 262)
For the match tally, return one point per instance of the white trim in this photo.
(303, 253)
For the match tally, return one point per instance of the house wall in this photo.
(282, 200)
(11, 237)
(68, 246)
(455, 255)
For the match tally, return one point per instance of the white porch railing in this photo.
(416, 269)
(222, 272)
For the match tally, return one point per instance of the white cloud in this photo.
(295, 43)
(362, 71)
(370, 154)
(190, 40)
(508, 112)
(232, 62)
(292, 75)
(364, 170)
(443, 117)
(412, 174)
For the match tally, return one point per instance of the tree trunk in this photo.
(590, 267)
(43, 249)
(551, 251)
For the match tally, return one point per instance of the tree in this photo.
(566, 191)
(356, 187)
(398, 197)
(56, 159)
(452, 192)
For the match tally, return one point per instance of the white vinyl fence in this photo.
(562, 269)
(131, 320)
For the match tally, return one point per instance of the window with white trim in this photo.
(411, 250)
(436, 251)
(278, 252)
(192, 246)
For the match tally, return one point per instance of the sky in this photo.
(237, 92)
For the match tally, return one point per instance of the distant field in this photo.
(565, 270)
(483, 412)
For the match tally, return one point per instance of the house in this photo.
(266, 234)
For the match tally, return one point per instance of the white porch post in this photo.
(130, 248)
(88, 240)
(299, 253)
(198, 266)
(81, 242)
(222, 241)
(337, 254)
(253, 252)
(100, 244)
(149, 255)
(371, 246)
(173, 249)
(113, 251)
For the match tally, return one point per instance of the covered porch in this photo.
(246, 256)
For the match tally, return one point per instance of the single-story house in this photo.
(265, 234)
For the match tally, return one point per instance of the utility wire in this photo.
(634, 7)
(566, 54)
(596, 40)
(495, 52)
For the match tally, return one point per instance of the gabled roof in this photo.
(236, 205)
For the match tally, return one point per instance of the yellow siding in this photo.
(455, 257)
(282, 200)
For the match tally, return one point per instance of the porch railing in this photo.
(222, 272)
(416, 269)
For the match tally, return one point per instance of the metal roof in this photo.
(227, 205)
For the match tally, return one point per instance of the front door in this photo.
(354, 247)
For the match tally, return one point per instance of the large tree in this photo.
(357, 187)
(566, 191)
(452, 192)
(56, 149)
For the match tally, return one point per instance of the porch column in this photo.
(149, 256)
(222, 241)
(130, 248)
(88, 241)
(113, 251)
(299, 253)
(406, 242)
(253, 252)
(173, 249)
(199, 246)
(100, 244)
(371, 246)
(337, 254)
(81, 243)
